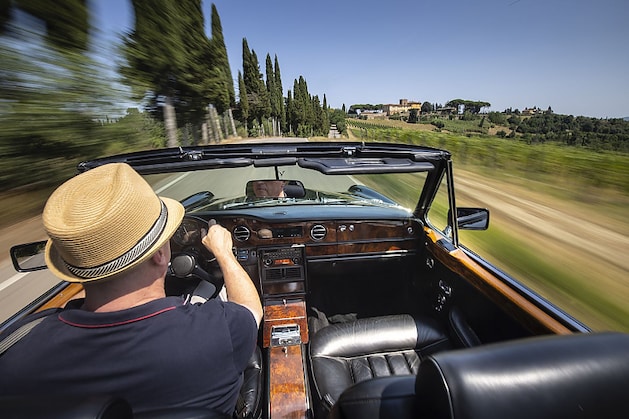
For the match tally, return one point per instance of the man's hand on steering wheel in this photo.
(217, 239)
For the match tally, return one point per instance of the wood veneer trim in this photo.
(287, 384)
(519, 307)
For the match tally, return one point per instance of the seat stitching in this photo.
(371, 368)
(401, 351)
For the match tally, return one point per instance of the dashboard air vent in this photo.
(318, 232)
(241, 233)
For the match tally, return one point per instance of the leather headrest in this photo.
(374, 335)
(574, 376)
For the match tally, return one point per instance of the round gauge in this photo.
(189, 232)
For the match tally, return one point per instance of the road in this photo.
(534, 213)
(581, 238)
(18, 289)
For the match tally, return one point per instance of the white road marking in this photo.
(13, 280)
(172, 182)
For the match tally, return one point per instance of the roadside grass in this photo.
(17, 206)
(562, 283)
(576, 294)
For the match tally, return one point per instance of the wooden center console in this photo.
(285, 330)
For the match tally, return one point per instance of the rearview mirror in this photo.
(472, 218)
(274, 188)
(29, 257)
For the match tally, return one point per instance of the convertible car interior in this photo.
(372, 306)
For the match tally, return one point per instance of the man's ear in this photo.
(160, 257)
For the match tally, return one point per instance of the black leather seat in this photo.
(390, 397)
(343, 354)
(250, 404)
(576, 376)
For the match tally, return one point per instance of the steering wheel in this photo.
(192, 263)
(186, 266)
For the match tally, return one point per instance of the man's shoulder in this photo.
(236, 316)
(30, 320)
(215, 306)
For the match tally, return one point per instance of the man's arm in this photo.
(240, 288)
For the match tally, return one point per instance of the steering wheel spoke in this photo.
(186, 266)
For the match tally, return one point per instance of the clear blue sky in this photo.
(572, 55)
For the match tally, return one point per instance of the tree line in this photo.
(60, 102)
(593, 133)
(597, 134)
(192, 72)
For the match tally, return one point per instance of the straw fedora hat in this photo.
(104, 222)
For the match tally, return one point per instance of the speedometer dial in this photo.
(188, 233)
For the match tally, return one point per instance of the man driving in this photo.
(109, 231)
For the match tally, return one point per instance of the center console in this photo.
(285, 329)
(282, 271)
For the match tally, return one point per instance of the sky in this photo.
(571, 55)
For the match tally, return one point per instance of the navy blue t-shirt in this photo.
(160, 354)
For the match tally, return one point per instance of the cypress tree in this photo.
(325, 116)
(298, 111)
(195, 77)
(280, 92)
(244, 101)
(153, 51)
(221, 64)
(275, 94)
(270, 87)
(259, 103)
(291, 125)
(263, 108)
(170, 57)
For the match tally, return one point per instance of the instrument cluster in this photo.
(190, 232)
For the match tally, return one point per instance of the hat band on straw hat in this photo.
(128, 257)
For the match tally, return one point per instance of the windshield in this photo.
(234, 188)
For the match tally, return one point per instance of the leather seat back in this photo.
(346, 353)
(250, 405)
(575, 376)
(390, 397)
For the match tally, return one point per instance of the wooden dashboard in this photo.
(327, 238)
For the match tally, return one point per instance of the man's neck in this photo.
(101, 304)
(123, 293)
